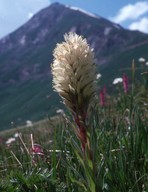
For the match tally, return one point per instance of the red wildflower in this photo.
(37, 150)
(125, 83)
(102, 96)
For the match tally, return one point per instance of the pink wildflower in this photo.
(102, 96)
(37, 150)
(125, 83)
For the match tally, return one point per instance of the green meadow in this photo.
(94, 145)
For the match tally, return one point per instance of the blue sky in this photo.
(131, 14)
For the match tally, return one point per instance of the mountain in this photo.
(25, 55)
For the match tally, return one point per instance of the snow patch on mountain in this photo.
(117, 26)
(83, 11)
(107, 30)
(23, 40)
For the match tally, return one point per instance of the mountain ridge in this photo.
(26, 54)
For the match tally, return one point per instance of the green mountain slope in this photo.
(25, 55)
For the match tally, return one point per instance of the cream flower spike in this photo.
(74, 72)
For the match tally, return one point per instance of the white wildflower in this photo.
(16, 135)
(146, 63)
(59, 111)
(10, 140)
(117, 80)
(141, 60)
(98, 76)
(74, 72)
(29, 123)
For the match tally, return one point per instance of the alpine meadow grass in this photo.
(98, 144)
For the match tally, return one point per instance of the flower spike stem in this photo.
(74, 78)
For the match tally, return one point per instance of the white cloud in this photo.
(16, 12)
(141, 25)
(131, 12)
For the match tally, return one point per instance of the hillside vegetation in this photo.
(26, 54)
(97, 144)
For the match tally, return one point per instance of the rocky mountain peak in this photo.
(26, 54)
